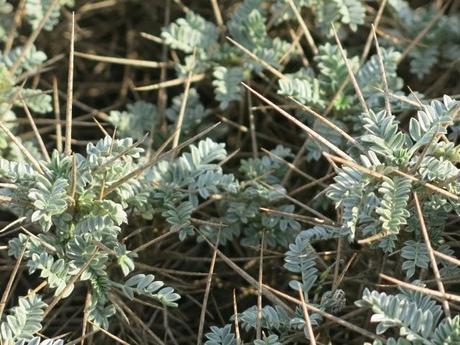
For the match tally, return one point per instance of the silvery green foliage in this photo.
(190, 33)
(273, 319)
(146, 285)
(33, 59)
(313, 148)
(276, 320)
(23, 321)
(248, 27)
(5, 19)
(316, 90)
(419, 319)
(337, 12)
(448, 332)
(301, 259)
(195, 112)
(348, 12)
(351, 12)
(372, 205)
(227, 84)
(76, 219)
(142, 117)
(175, 187)
(37, 101)
(277, 324)
(36, 9)
(369, 77)
(38, 341)
(442, 41)
(220, 336)
(281, 10)
(416, 256)
(138, 118)
(268, 340)
(334, 301)
(391, 341)
(261, 187)
(228, 64)
(302, 86)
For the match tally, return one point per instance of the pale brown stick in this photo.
(123, 61)
(259, 288)
(207, 291)
(252, 128)
(290, 165)
(328, 123)
(22, 148)
(68, 124)
(367, 46)
(237, 327)
(85, 317)
(38, 137)
(382, 71)
(13, 223)
(350, 73)
(306, 316)
(99, 125)
(217, 15)
(446, 258)
(87, 335)
(183, 107)
(42, 241)
(110, 335)
(7, 290)
(431, 255)
(57, 115)
(170, 83)
(304, 27)
(157, 156)
(426, 291)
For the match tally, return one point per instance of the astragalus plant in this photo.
(151, 193)
(78, 204)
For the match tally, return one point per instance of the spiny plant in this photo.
(418, 318)
(78, 205)
(317, 90)
(249, 26)
(94, 224)
(374, 192)
(279, 324)
(199, 40)
(131, 122)
(20, 62)
(440, 43)
(322, 85)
